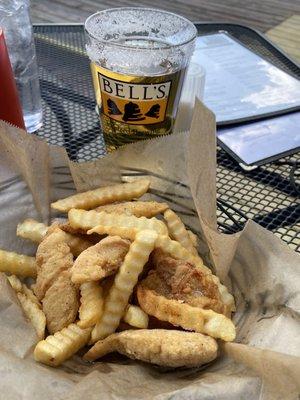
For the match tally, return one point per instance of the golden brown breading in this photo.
(155, 323)
(152, 299)
(101, 260)
(66, 227)
(81, 233)
(60, 303)
(77, 241)
(138, 208)
(181, 280)
(53, 285)
(158, 346)
(53, 257)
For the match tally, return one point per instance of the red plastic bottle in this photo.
(10, 107)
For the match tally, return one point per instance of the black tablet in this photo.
(257, 143)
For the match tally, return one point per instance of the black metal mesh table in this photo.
(269, 195)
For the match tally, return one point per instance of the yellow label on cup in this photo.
(133, 100)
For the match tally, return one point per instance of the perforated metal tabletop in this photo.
(269, 195)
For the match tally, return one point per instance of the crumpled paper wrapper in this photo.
(262, 272)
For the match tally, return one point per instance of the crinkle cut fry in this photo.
(30, 304)
(188, 317)
(91, 307)
(125, 280)
(57, 348)
(193, 238)
(136, 317)
(176, 250)
(34, 314)
(104, 195)
(178, 231)
(17, 264)
(125, 233)
(92, 219)
(147, 209)
(32, 230)
(170, 348)
(20, 287)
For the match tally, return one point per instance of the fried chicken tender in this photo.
(181, 280)
(158, 346)
(53, 256)
(138, 208)
(101, 260)
(53, 286)
(66, 227)
(60, 303)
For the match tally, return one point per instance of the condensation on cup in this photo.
(139, 57)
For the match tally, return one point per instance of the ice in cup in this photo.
(139, 57)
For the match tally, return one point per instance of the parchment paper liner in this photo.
(262, 271)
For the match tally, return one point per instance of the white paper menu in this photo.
(239, 83)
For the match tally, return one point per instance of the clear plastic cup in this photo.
(139, 57)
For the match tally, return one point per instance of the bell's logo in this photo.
(134, 103)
